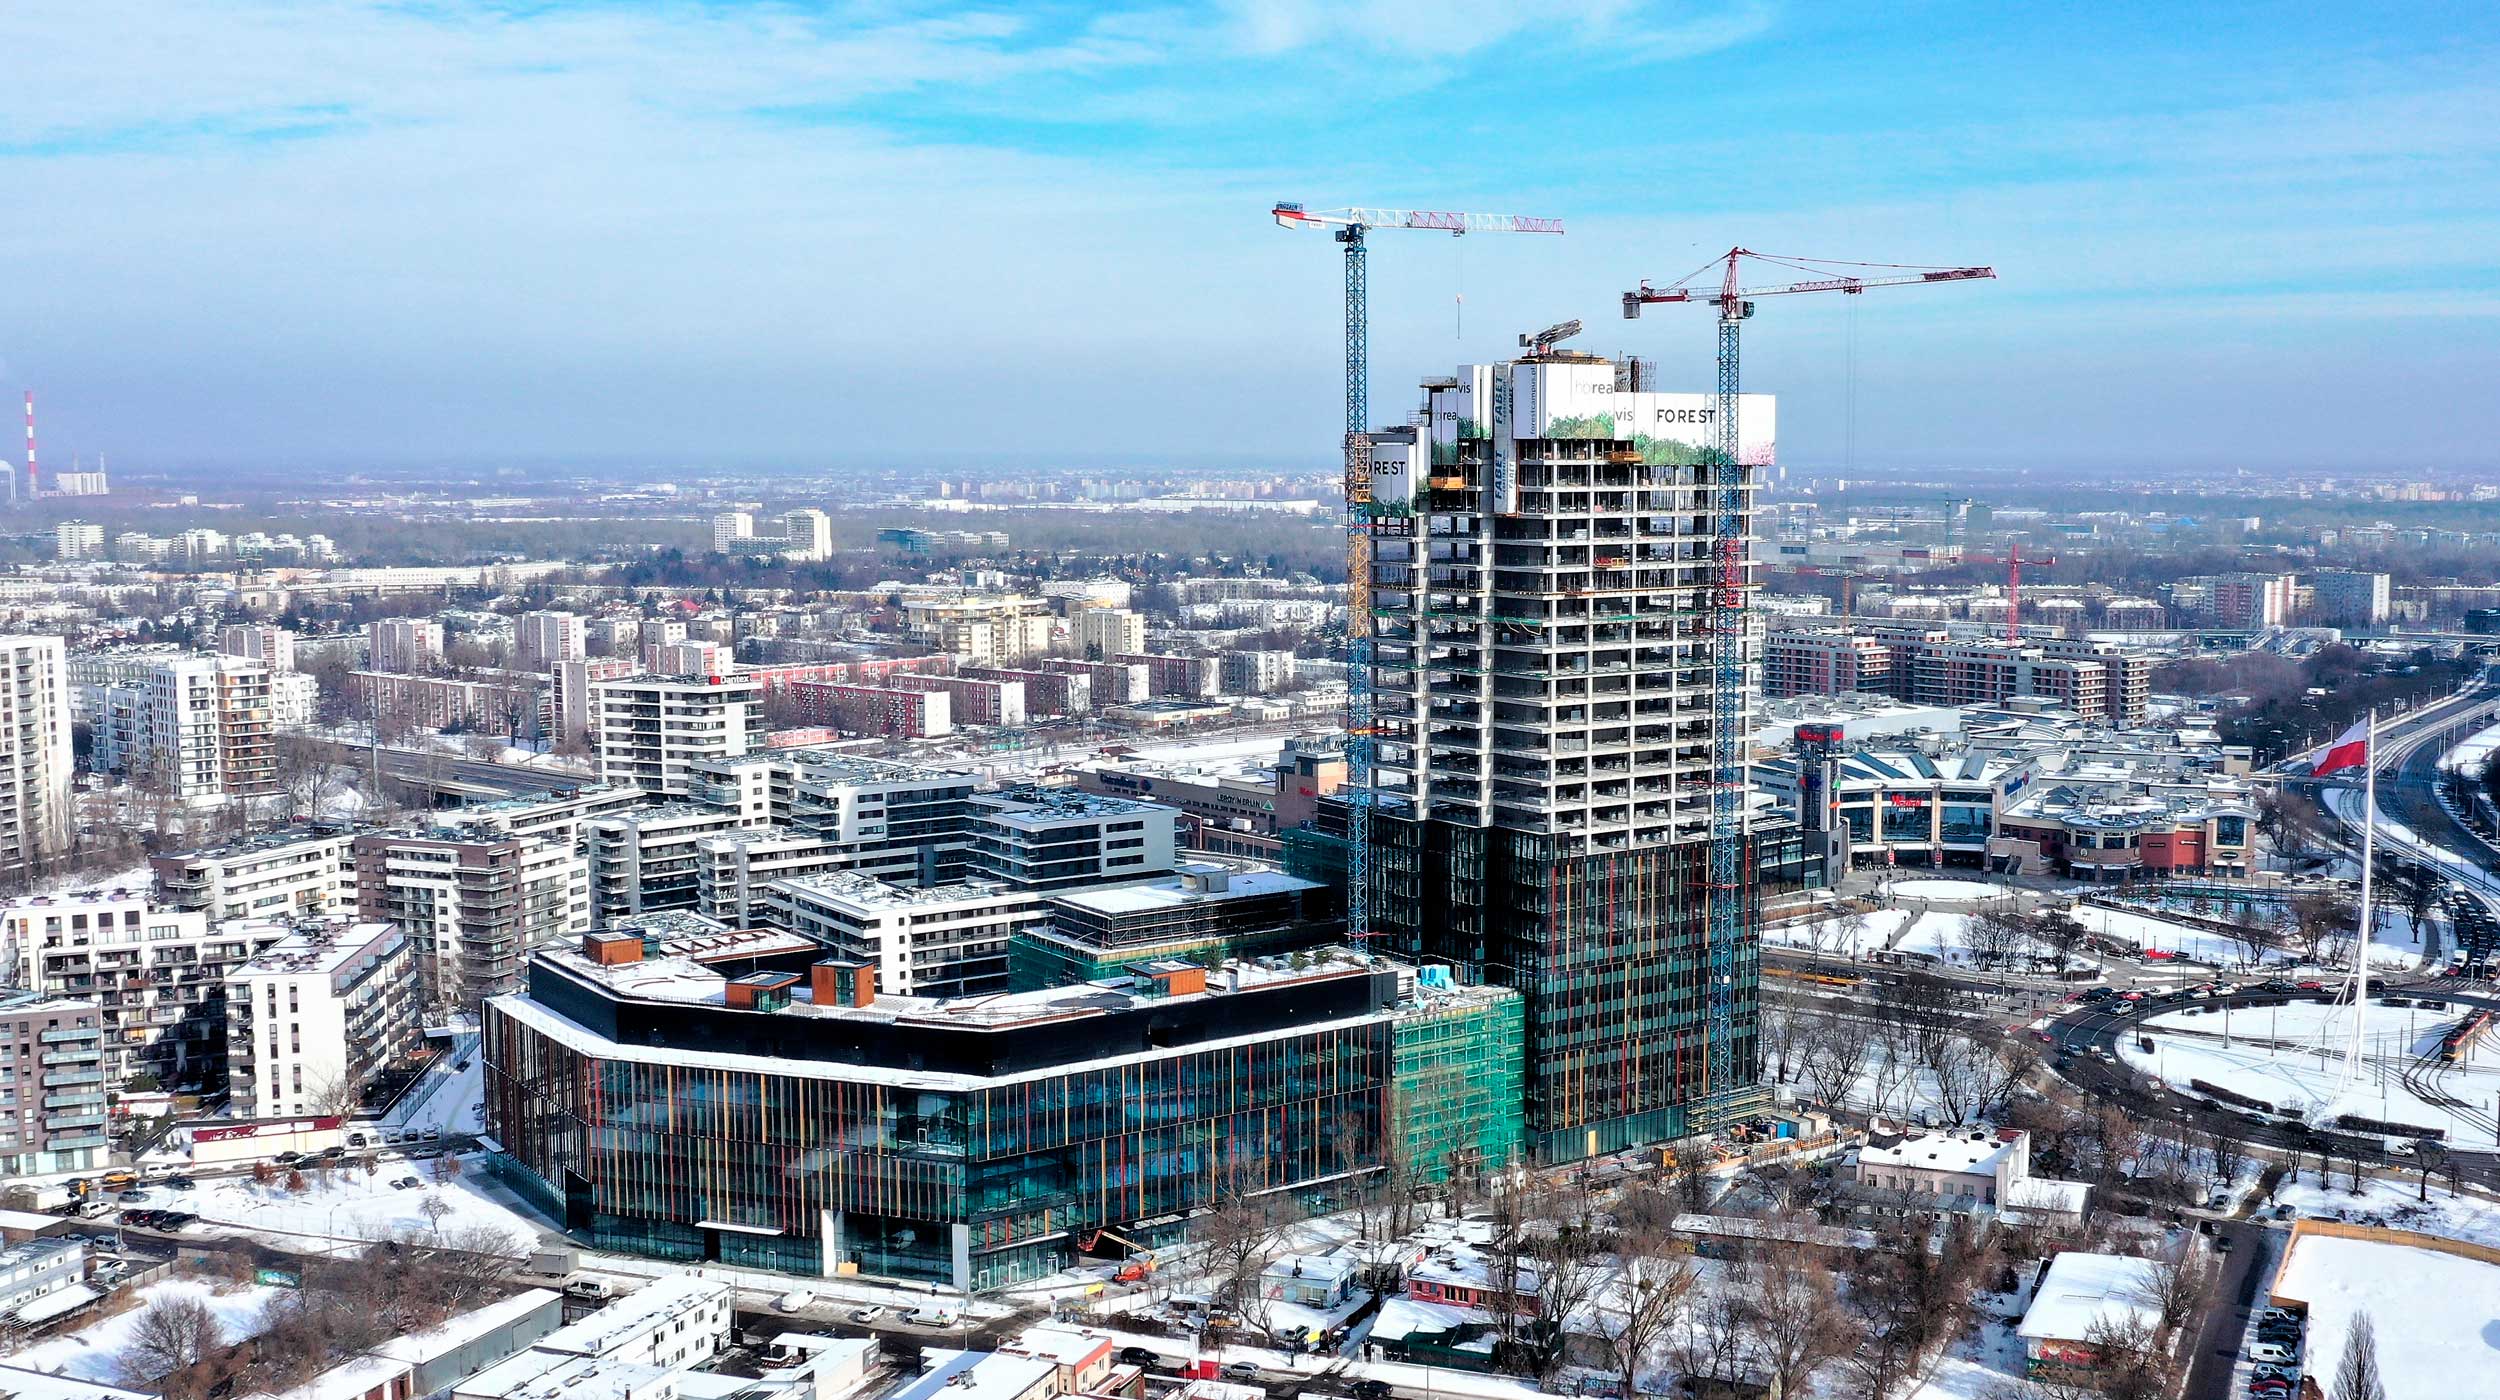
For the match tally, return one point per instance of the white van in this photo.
(932, 1315)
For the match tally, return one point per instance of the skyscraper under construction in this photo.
(1543, 591)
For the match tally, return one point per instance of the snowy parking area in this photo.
(2437, 1315)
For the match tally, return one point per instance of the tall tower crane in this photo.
(1350, 226)
(1727, 891)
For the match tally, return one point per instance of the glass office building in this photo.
(791, 1119)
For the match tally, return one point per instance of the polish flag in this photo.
(2350, 751)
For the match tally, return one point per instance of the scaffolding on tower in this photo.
(1728, 609)
(1350, 227)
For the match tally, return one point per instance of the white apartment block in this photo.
(648, 859)
(650, 730)
(272, 646)
(984, 629)
(1099, 633)
(569, 690)
(294, 700)
(1255, 672)
(192, 726)
(157, 976)
(315, 1014)
(542, 641)
(35, 757)
(809, 536)
(283, 874)
(943, 941)
(730, 528)
(409, 645)
(734, 872)
(474, 900)
(74, 540)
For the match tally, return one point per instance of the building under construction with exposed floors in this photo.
(1543, 576)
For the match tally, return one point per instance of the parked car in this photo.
(932, 1315)
(1368, 1389)
(1138, 1356)
(180, 1183)
(2272, 1351)
(793, 1300)
(867, 1314)
(597, 1290)
(1241, 1371)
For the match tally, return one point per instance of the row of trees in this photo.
(181, 1349)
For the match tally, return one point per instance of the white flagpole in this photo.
(2369, 858)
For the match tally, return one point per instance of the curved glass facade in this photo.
(968, 1182)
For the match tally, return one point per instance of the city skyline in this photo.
(747, 235)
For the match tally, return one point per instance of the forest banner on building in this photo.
(1579, 401)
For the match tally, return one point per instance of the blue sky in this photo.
(720, 233)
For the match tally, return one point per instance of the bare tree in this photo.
(1797, 1322)
(2134, 1365)
(1996, 937)
(1567, 1282)
(2357, 1375)
(172, 1333)
(2250, 935)
(1642, 1308)
(1783, 1033)
(2060, 935)
(2175, 1285)
(1835, 1053)
(1708, 1340)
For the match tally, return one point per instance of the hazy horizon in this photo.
(741, 235)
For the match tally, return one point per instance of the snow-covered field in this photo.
(2150, 934)
(94, 1352)
(2470, 756)
(2391, 1202)
(2291, 1056)
(2437, 1316)
(1938, 934)
(1947, 891)
(349, 1205)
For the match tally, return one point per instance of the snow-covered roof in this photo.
(977, 1375)
(2082, 1289)
(2047, 1196)
(1959, 1150)
(43, 1385)
(1311, 1268)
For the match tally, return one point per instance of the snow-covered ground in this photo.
(2437, 1316)
(1938, 934)
(451, 1098)
(2470, 756)
(94, 1352)
(349, 1205)
(2291, 1056)
(2150, 934)
(1947, 891)
(2393, 1202)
